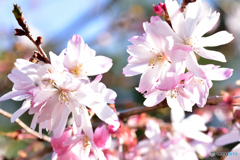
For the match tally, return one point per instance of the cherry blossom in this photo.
(77, 146)
(82, 61)
(154, 57)
(189, 31)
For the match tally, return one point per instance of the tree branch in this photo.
(24, 126)
(215, 100)
(25, 31)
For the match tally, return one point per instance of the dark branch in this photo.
(215, 100)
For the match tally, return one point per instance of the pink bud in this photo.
(160, 9)
(57, 143)
(102, 137)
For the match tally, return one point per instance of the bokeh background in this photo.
(106, 25)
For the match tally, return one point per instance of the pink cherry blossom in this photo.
(75, 147)
(82, 61)
(154, 57)
(189, 32)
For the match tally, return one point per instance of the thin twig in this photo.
(24, 126)
(215, 100)
(25, 31)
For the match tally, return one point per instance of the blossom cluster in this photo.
(166, 56)
(51, 92)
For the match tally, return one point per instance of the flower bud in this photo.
(160, 9)
(19, 15)
(17, 11)
(20, 32)
(39, 40)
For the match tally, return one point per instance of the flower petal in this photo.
(230, 137)
(192, 15)
(154, 98)
(206, 24)
(87, 125)
(25, 106)
(176, 17)
(217, 39)
(104, 112)
(149, 77)
(12, 94)
(60, 128)
(193, 66)
(219, 74)
(208, 54)
(97, 65)
(134, 69)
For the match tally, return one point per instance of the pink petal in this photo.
(60, 128)
(219, 74)
(97, 79)
(208, 54)
(25, 106)
(26, 66)
(134, 69)
(217, 39)
(154, 98)
(12, 94)
(199, 136)
(165, 31)
(230, 137)
(55, 60)
(87, 125)
(97, 65)
(149, 77)
(76, 113)
(192, 16)
(176, 17)
(74, 49)
(206, 24)
(45, 94)
(193, 66)
(101, 136)
(17, 77)
(104, 112)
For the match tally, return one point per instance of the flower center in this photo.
(155, 60)
(86, 142)
(63, 96)
(173, 93)
(77, 68)
(192, 41)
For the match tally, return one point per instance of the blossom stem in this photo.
(215, 100)
(24, 126)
